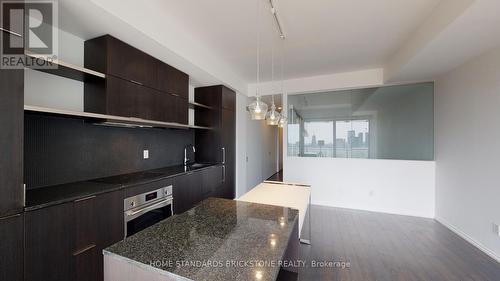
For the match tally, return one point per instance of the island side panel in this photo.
(292, 250)
(120, 269)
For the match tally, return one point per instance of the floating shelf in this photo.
(67, 70)
(193, 104)
(111, 120)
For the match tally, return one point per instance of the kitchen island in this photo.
(218, 239)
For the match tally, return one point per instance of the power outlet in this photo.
(145, 154)
(496, 229)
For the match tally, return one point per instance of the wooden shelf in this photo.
(67, 70)
(193, 104)
(110, 120)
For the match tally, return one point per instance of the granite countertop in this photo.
(213, 241)
(58, 194)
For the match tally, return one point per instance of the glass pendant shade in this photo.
(258, 109)
(273, 116)
(282, 121)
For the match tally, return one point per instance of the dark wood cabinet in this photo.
(11, 141)
(228, 99)
(72, 236)
(181, 110)
(173, 81)
(218, 145)
(228, 143)
(11, 248)
(186, 191)
(49, 236)
(136, 85)
(212, 179)
(114, 57)
(98, 224)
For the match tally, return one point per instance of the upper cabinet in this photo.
(113, 57)
(137, 84)
(172, 81)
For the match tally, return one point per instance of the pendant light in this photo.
(258, 108)
(273, 116)
(283, 120)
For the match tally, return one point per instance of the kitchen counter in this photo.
(218, 239)
(58, 194)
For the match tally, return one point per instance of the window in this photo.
(393, 122)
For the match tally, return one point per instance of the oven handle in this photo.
(130, 215)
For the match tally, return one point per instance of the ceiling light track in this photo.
(277, 20)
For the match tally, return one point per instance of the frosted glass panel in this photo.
(393, 122)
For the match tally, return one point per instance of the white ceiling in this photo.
(323, 36)
(214, 41)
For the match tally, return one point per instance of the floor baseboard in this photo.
(468, 239)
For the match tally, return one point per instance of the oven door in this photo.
(143, 217)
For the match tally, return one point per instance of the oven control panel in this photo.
(147, 197)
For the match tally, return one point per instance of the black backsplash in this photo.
(63, 150)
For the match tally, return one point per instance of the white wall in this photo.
(389, 186)
(42, 89)
(261, 150)
(467, 106)
(241, 144)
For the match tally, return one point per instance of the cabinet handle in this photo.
(85, 199)
(175, 95)
(9, 217)
(223, 155)
(79, 252)
(136, 82)
(11, 32)
(223, 173)
(24, 195)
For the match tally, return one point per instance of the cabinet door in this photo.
(228, 99)
(228, 135)
(146, 107)
(86, 265)
(122, 97)
(173, 81)
(165, 107)
(131, 64)
(11, 141)
(182, 111)
(187, 191)
(211, 181)
(109, 216)
(84, 250)
(11, 248)
(49, 236)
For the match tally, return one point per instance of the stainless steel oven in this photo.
(144, 210)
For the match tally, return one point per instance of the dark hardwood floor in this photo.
(386, 247)
(276, 177)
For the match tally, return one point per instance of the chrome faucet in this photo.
(186, 159)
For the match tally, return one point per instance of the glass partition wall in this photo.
(390, 122)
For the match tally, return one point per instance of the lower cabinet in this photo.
(212, 182)
(65, 242)
(11, 248)
(49, 242)
(193, 187)
(186, 191)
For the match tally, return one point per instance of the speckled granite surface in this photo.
(54, 195)
(219, 239)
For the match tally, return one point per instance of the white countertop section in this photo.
(281, 194)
